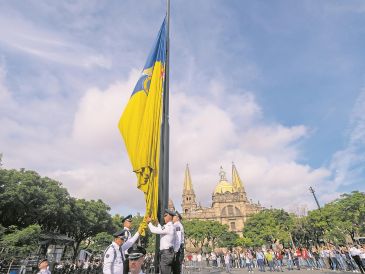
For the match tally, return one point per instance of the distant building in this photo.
(299, 210)
(230, 205)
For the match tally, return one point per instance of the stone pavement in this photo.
(216, 270)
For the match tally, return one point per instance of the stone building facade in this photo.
(229, 206)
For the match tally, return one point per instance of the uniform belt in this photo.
(169, 250)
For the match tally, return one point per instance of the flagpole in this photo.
(166, 112)
(163, 182)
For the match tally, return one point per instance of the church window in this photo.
(186, 210)
(233, 226)
(230, 210)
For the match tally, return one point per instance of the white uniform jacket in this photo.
(179, 235)
(114, 256)
(167, 232)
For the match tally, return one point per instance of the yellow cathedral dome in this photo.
(223, 185)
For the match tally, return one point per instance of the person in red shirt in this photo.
(279, 260)
(190, 257)
(305, 257)
(298, 257)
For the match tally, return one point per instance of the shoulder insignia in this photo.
(178, 229)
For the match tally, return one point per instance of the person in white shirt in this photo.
(355, 254)
(114, 255)
(199, 259)
(179, 243)
(167, 241)
(43, 267)
(127, 225)
(227, 261)
(136, 256)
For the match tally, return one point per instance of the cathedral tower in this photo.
(188, 198)
(237, 183)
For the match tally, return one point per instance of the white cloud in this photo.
(99, 111)
(46, 126)
(31, 39)
(207, 136)
(348, 163)
(206, 132)
(5, 96)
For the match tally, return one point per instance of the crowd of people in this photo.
(344, 258)
(124, 256)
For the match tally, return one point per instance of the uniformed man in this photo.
(114, 255)
(43, 267)
(167, 241)
(127, 225)
(136, 259)
(179, 243)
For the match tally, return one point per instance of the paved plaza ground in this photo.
(244, 271)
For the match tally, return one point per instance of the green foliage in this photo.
(267, 226)
(100, 242)
(46, 203)
(200, 232)
(244, 242)
(228, 239)
(351, 212)
(88, 219)
(117, 222)
(337, 221)
(37, 200)
(31, 204)
(21, 242)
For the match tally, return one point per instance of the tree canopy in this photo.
(337, 222)
(29, 202)
(267, 226)
(202, 233)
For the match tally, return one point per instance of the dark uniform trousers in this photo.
(166, 260)
(179, 258)
(126, 261)
(358, 261)
(126, 266)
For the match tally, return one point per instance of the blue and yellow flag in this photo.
(140, 123)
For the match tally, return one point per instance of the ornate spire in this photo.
(188, 185)
(188, 198)
(171, 205)
(222, 175)
(236, 180)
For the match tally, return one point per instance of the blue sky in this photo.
(275, 86)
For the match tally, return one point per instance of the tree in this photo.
(21, 242)
(200, 232)
(335, 222)
(88, 219)
(245, 242)
(37, 200)
(228, 239)
(267, 226)
(351, 212)
(47, 203)
(99, 242)
(117, 222)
